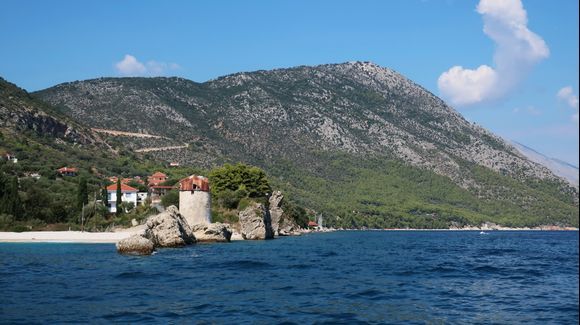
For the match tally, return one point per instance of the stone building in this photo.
(195, 200)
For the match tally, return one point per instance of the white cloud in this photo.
(567, 94)
(466, 86)
(518, 49)
(130, 66)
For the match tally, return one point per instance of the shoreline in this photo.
(114, 237)
(82, 237)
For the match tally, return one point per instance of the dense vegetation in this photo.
(381, 192)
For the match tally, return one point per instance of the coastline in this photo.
(114, 237)
(82, 237)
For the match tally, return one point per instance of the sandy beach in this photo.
(67, 236)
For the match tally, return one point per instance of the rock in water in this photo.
(256, 223)
(169, 229)
(213, 232)
(276, 210)
(135, 245)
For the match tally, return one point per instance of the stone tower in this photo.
(195, 200)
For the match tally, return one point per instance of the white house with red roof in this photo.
(129, 194)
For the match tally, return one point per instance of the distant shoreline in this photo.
(66, 236)
(113, 237)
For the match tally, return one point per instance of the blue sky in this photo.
(43, 43)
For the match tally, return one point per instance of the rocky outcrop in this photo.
(255, 222)
(276, 210)
(169, 229)
(135, 245)
(213, 232)
(288, 227)
(282, 225)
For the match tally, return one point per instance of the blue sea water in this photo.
(341, 277)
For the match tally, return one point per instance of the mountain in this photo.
(560, 168)
(356, 140)
(20, 112)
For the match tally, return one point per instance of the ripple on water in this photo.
(240, 265)
(342, 277)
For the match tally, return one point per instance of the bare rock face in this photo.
(282, 225)
(256, 223)
(169, 229)
(288, 227)
(135, 245)
(276, 210)
(213, 232)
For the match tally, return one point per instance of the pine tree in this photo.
(105, 196)
(10, 202)
(119, 195)
(82, 194)
(15, 207)
(3, 193)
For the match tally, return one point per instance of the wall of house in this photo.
(126, 197)
(195, 206)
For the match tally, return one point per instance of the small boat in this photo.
(483, 233)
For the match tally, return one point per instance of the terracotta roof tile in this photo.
(194, 183)
(124, 188)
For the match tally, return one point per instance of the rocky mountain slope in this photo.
(299, 122)
(19, 113)
(560, 168)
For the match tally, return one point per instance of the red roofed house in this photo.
(195, 200)
(156, 179)
(312, 224)
(68, 171)
(128, 193)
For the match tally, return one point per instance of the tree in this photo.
(82, 194)
(16, 203)
(10, 202)
(171, 198)
(239, 177)
(119, 196)
(105, 196)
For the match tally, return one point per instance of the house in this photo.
(11, 157)
(142, 197)
(157, 191)
(312, 224)
(34, 175)
(156, 179)
(128, 193)
(126, 180)
(138, 180)
(68, 171)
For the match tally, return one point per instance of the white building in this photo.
(129, 194)
(142, 197)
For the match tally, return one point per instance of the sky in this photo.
(510, 66)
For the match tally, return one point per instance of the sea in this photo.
(345, 277)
